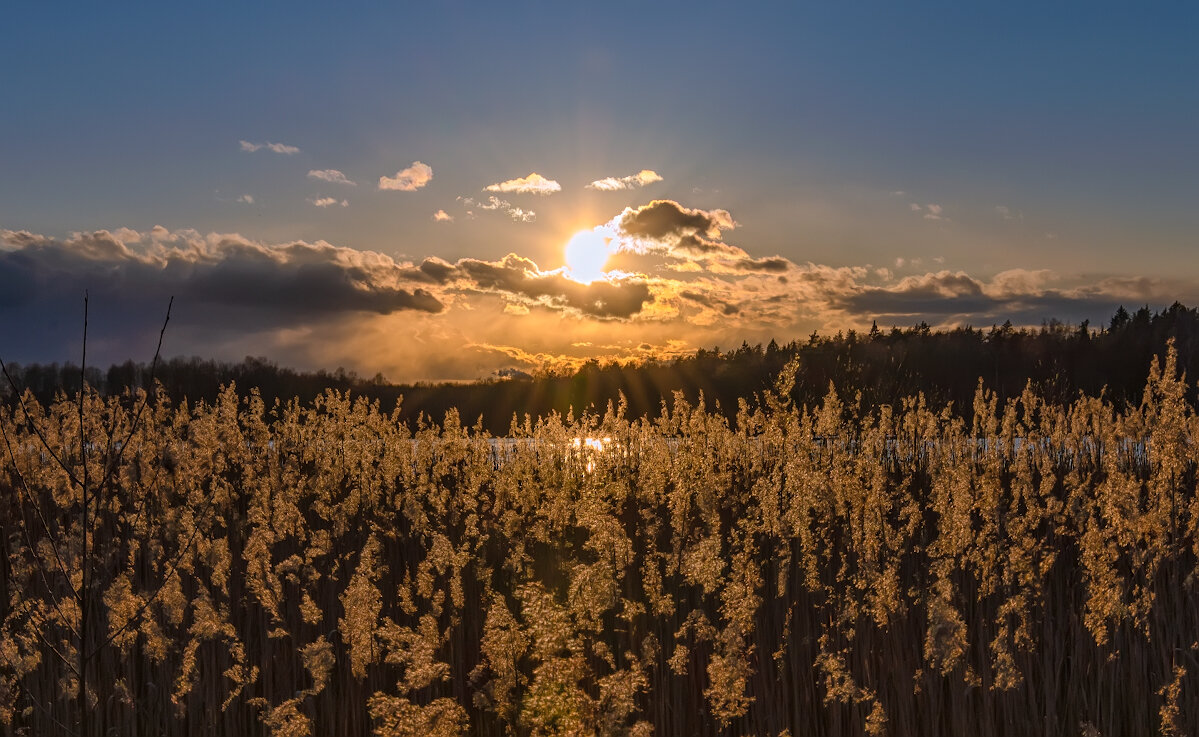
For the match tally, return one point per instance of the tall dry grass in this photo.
(836, 570)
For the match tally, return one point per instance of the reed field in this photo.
(321, 569)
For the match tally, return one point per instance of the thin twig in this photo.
(137, 416)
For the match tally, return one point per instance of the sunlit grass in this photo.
(828, 570)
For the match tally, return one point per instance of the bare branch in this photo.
(137, 416)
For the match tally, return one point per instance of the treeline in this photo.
(322, 569)
(1060, 362)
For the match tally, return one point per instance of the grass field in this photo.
(240, 569)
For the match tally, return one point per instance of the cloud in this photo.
(532, 184)
(690, 239)
(1024, 296)
(518, 214)
(673, 277)
(227, 290)
(279, 148)
(662, 219)
(522, 284)
(640, 179)
(246, 199)
(408, 180)
(328, 201)
(332, 176)
(129, 235)
(299, 277)
(692, 236)
(1008, 213)
(520, 278)
(931, 211)
(442, 216)
(772, 264)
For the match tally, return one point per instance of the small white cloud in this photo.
(532, 184)
(332, 176)
(914, 207)
(442, 216)
(279, 148)
(1008, 213)
(933, 212)
(408, 180)
(633, 181)
(328, 202)
(518, 214)
(246, 199)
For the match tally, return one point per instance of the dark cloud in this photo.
(219, 283)
(430, 271)
(769, 265)
(942, 293)
(520, 277)
(300, 289)
(664, 218)
(885, 302)
(1023, 297)
(694, 246)
(710, 301)
(666, 227)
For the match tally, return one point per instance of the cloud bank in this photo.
(674, 283)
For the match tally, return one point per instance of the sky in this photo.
(393, 189)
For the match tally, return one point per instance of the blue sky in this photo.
(1017, 159)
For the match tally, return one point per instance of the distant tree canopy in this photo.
(880, 367)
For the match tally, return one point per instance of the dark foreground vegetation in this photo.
(883, 366)
(241, 567)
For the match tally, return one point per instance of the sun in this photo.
(586, 254)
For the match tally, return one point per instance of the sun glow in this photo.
(586, 253)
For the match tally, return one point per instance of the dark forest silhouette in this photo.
(1060, 361)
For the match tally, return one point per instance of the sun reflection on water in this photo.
(588, 448)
